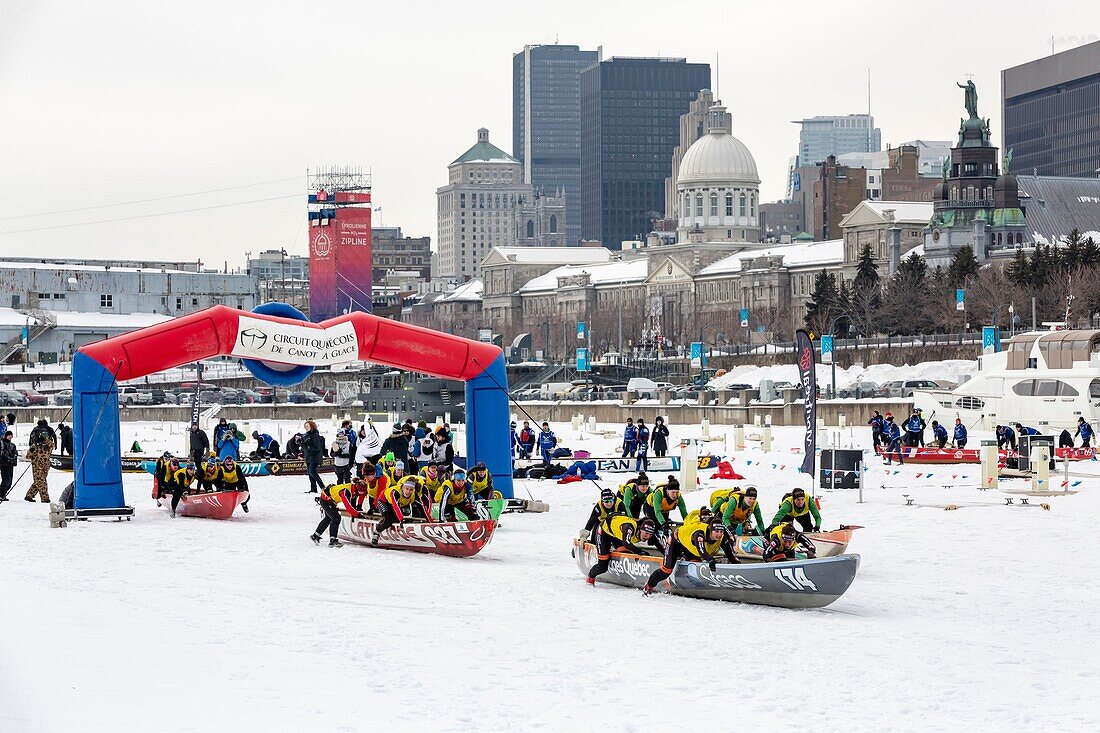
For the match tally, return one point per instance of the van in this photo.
(646, 388)
(553, 390)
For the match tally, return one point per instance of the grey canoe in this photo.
(798, 584)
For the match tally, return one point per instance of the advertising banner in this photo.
(353, 259)
(322, 269)
(826, 349)
(289, 344)
(804, 352)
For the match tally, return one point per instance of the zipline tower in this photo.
(339, 241)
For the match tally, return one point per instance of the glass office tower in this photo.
(630, 124)
(1051, 113)
(546, 134)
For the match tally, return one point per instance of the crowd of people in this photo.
(889, 439)
(638, 519)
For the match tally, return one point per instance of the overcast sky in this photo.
(107, 102)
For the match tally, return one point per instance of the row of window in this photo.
(746, 206)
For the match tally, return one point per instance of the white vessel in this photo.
(1045, 380)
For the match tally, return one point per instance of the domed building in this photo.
(718, 188)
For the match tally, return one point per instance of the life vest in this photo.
(667, 505)
(431, 484)
(231, 478)
(207, 476)
(741, 510)
(457, 496)
(332, 493)
(719, 498)
(689, 528)
(776, 535)
(795, 511)
(392, 495)
(615, 525)
(479, 486)
(180, 478)
(375, 484)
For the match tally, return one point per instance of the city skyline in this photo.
(131, 103)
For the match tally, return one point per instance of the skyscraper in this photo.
(823, 136)
(630, 125)
(546, 135)
(1051, 113)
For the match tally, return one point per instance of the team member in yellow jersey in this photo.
(396, 504)
(618, 531)
(797, 507)
(207, 474)
(433, 477)
(331, 498)
(662, 500)
(374, 483)
(695, 540)
(783, 541)
(608, 504)
(231, 478)
(736, 507)
(180, 484)
(633, 494)
(455, 494)
(481, 483)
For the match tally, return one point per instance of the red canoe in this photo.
(208, 505)
(453, 539)
(934, 455)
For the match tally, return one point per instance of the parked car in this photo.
(251, 397)
(64, 397)
(858, 390)
(264, 395)
(303, 398)
(162, 397)
(34, 397)
(131, 396)
(11, 398)
(211, 397)
(887, 388)
(905, 389)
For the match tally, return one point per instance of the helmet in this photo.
(480, 466)
(798, 494)
(211, 461)
(433, 469)
(751, 491)
(789, 533)
(705, 513)
(606, 495)
(715, 524)
(228, 460)
(388, 458)
(399, 465)
(459, 475)
(190, 468)
(167, 454)
(647, 525)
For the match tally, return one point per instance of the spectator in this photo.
(200, 444)
(341, 457)
(660, 437)
(65, 433)
(42, 441)
(9, 459)
(313, 448)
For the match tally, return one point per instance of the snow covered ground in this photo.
(976, 619)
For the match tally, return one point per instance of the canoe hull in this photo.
(799, 584)
(452, 539)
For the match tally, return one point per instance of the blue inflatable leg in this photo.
(97, 455)
(487, 436)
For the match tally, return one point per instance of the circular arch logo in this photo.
(322, 247)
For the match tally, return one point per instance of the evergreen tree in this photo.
(964, 265)
(912, 268)
(1090, 254)
(823, 301)
(1019, 270)
(866, 269)
(1071, 256)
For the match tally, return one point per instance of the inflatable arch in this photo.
(282, 345)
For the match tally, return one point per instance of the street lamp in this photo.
(1011, 320)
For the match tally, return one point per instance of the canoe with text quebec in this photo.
(807, 583)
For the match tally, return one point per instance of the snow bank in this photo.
(951, 370)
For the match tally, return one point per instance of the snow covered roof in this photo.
(552, 255)
(119, 321)
(64, 267)
(12, 317)
(631, 271)
(794, 255)
(905, 212)
(467, 292)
